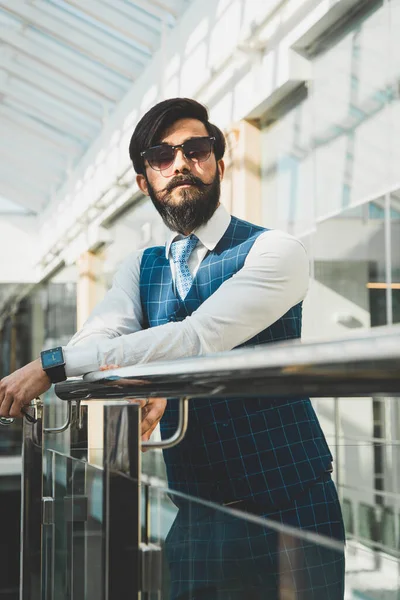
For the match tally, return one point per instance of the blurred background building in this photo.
(307, 93)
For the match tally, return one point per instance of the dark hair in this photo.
(148, 132)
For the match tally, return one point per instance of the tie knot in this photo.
(181, 249)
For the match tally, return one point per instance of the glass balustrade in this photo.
(112, 528)
(190, 546)
(73, 531)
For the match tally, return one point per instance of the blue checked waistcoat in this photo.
(263, 449)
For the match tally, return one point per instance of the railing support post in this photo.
(121, 501)
(31, 511)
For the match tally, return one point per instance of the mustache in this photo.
(187, 179)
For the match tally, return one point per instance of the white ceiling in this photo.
(64, 66)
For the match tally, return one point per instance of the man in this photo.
(219, 283)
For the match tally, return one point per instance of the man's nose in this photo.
(181, 163)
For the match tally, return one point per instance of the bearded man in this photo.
(218, 283)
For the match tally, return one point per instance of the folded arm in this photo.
(273, 279)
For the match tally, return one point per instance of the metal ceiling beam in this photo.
(25, 181)
(173, 7)
(98, 30)
(136, 15)
(27, 174)
(154, 9)
(16, 136)
(23, 194)
(16, 72)
(72, 71)
(38, 106)
(37, 171)
(16, 139)
(33, 112)
(29, 200)
(30, 16)
(165, 6)
(39, 131)
(108, 16)
(12, 146)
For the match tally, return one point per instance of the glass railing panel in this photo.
(152, 464)
(213, 552)
(363, 434)
(73, 536)
(371, 575)
(10, 439)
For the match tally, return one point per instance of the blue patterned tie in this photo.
(180, 252)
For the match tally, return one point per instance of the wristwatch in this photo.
(53, 363)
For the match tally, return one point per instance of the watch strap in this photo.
(56, 374)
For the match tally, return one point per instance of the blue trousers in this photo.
(213, 555)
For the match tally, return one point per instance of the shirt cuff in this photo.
(80, 360)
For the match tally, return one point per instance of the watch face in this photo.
(52, 358)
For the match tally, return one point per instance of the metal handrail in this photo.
(366, 364)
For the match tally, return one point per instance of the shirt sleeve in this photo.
(118, 314)
(274, 278)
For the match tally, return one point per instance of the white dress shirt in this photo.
(273, 279)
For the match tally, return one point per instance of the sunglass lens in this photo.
(160, 158)
(198, 149)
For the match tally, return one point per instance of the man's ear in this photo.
(221, 168)
(142, 183)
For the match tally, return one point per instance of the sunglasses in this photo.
(197, 149)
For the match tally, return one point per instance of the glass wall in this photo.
(329, 177)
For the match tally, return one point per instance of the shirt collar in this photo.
(208, 234)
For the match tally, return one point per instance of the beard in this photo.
(194, 208)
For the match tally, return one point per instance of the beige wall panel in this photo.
(245, 172)
(90, 290)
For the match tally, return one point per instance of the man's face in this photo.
(186, 193)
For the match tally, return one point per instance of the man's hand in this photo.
(18, 389)
(152, 413)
